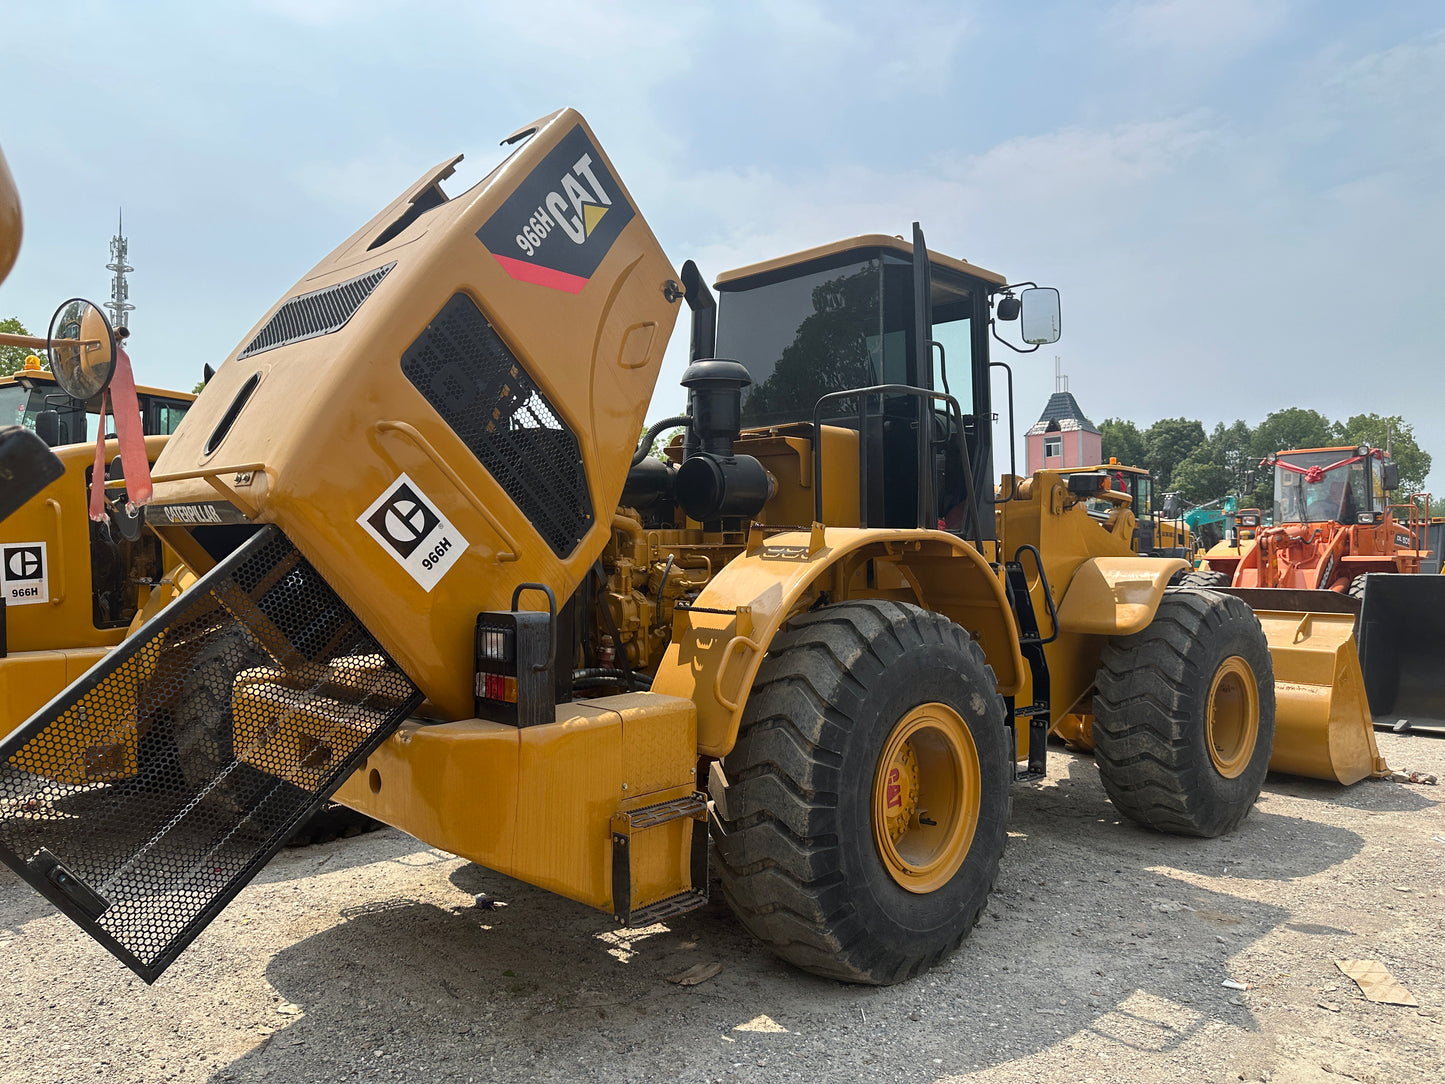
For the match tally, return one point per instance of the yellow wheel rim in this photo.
(926, 795)
(1231, 726)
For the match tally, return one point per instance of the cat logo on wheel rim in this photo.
(927, 790)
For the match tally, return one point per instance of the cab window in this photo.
(164, 415)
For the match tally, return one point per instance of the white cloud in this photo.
(1197, 27)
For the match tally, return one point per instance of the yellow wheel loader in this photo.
(71, 587)
(437, 579)
(1127, 505)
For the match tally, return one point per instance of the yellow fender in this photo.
(1106, 596)
(1115, 596)
(719, 642)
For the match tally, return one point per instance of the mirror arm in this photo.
(993, 329)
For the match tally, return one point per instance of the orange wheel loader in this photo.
(1338, 542)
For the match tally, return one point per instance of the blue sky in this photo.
(1242, 203)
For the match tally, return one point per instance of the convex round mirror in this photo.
(82, 349)
(1040, 306)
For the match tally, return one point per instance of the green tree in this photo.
(1167, 443)
(1122, 440)
(12, 358)
(1399, 436)
(1220, 467)
(1294, 427)
(659, 446)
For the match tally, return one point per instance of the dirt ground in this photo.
(1101, 959)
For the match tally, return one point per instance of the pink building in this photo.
(1062, 437)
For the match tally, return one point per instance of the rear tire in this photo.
(864, 820)
(331, 822)
(204, 729)
(1184, 715)
(204, 724)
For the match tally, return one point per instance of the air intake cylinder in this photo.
(713, 482)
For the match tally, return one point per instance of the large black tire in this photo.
(331, 822)
(1357, 586)
(846, 696)
(1184, 715)
(1201, 577)
(203, 723)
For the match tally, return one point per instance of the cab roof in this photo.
(1102, 467)
(29, 378)
(864, 240)
(1347, 449)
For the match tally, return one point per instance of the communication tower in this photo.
(119, 304)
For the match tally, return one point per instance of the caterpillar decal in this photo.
(556, 227)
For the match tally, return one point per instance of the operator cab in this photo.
(1346, 485)
(30, 392)
(835, 332)
(1133, 481)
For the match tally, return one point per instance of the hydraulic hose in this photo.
(608, 674)
(645, 444)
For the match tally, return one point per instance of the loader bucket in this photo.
(1435, 543)
(145, 796)
(1402, 650)
(1322, 725)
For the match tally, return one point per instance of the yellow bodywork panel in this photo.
(1115, 596)
(1116, 590)
(31, 679)
(537, 802)
(788, 456)
(1323, 727)
(57, 517)
(109, 740)
(714, 656)
(574, 317)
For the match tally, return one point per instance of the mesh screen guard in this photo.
(144, 797)
(479, 387)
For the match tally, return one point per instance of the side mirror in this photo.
(1007, 308)
(47, 427)
(82, 349)
(1392, 477)
(1172, 506)
(1039, 306)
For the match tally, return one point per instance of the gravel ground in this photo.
(1101, 959)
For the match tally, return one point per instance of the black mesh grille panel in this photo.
(465, 371)
(317, 313)
(147, 795)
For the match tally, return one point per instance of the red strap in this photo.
(125, 409)
(1314, 474)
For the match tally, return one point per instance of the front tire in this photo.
(1202, 578)
(1184, 715)
(863, 824)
